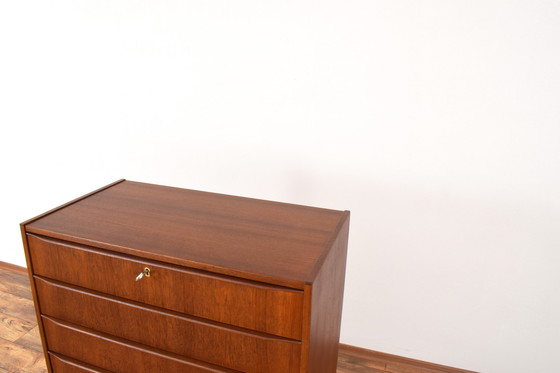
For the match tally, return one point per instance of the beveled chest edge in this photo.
(275, 279)
(258, 277)
(29, 221)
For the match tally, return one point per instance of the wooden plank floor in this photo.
(21, 351)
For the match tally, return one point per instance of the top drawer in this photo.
(257, 306)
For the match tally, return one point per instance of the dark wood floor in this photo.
(20, 345)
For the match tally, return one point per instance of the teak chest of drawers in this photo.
(135, 277)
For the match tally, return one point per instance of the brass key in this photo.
(145, 272)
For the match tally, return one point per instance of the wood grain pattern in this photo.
(34, 293)
(325, 312)
(115, 354)
(247, 304)
(31, 340)
(358, 357)
(351, 359)
(12, 328)
(64, 364)
(58, 208)
(15, 282)
(351, 364)
(15, 352)
(240, 262)
(216, 344)
(254, 239)
(16, 306)
(8, 270)
(16, 358)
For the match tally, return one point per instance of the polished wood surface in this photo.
(64, 364)
(356, 359)
(238, 283)
(114, 354)
(253, 305)
(324, 308)
(20, 343)
(236, 349)
(21, 351)
(248, 238)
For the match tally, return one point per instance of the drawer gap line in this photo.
(172, 266)
(132, 344)
(195, 319)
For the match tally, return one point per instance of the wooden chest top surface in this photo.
(273, 242)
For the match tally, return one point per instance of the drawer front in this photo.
(269, 309)
(114, 354)
(63, 364)
(170, 332)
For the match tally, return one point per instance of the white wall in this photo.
(435, 122)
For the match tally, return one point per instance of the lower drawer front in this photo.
(63, 364)
(248, 304)
(216, 344)
(116, 355)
